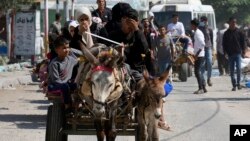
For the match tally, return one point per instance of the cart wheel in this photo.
(190, 70)
(183, 74)
(137, 137)
(48, 123)
(34, 77)
(55, 122)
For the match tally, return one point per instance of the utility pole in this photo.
(46, 24)
(67, 10)
(8, 27)
(12, 50)
(72, 9)
(57, 6)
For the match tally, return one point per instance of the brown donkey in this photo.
(149, 103)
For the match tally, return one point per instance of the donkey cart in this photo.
(183, 66)
(105, 104)
(183, 62)
(59, 125)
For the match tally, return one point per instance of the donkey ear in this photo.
(145, 74)
(114, 59)
(90, 57)
(165, 74)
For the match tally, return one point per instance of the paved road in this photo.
(192, 117)
(205, 117)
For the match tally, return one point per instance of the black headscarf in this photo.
(118, 11)
(131, 13)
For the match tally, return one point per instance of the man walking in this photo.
(221, 58)
(208, 35)
(199, 45)
(234, 46)
(165, 50)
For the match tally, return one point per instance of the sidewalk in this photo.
(9, 80)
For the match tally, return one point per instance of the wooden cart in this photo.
(58, 126)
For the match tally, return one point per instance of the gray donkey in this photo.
(149, 103)
(102, 88)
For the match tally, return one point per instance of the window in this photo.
(210, 20)
(195, 15)
(210, 17)
(164, 18)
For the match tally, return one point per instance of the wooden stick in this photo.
(106, 39)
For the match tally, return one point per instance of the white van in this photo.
(187, 10)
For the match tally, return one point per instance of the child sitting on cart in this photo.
(60, 70)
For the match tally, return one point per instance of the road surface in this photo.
(192, 117)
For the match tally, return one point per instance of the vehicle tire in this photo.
(55, 122)
(137, 133)
(190, 70)
(34, 77)
(183, 72)
(48, 123)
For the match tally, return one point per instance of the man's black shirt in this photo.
(106, 16)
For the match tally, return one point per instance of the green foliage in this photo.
(224, 9)
(13, 4)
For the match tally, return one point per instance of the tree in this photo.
(13, 4)
(224, 9)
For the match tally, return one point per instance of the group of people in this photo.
(163, 49)
(231, 47)
(145, 43)
(121, 24)
(203, 52)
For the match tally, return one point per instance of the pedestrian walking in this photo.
(164, 49)
(208, 35)
(199, 47)
(221, 58)
(234, 46)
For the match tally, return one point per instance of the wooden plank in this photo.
(93, 132)
(89, 122)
